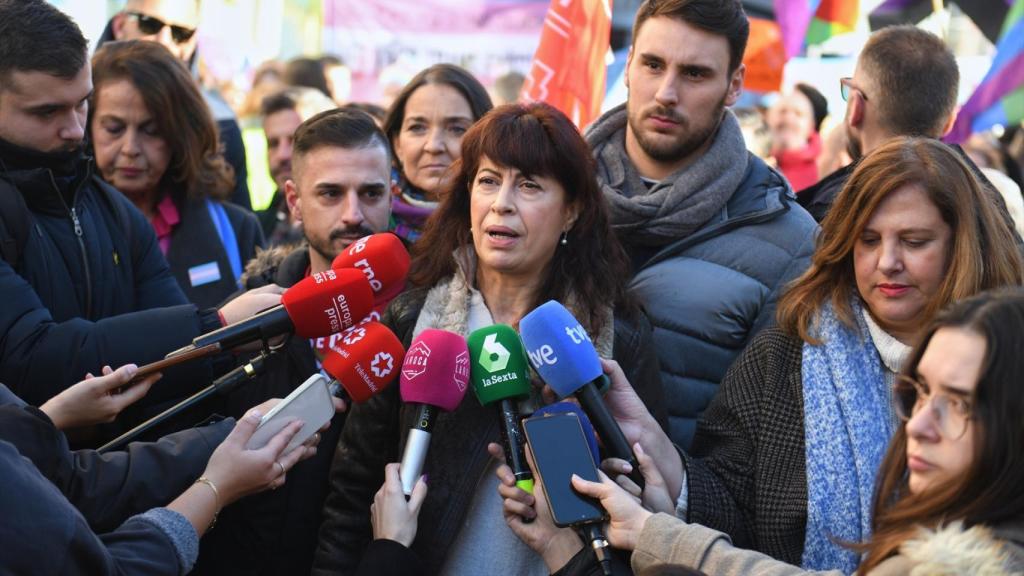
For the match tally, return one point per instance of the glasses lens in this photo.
(149, 25)
(844, 90)
(952, 423)
(906, 397)
(182, 34)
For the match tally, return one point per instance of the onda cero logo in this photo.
(382, 364)
(416, 360)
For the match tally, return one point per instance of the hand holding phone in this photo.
(310, 402)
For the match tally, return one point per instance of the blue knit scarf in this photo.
(847, 429)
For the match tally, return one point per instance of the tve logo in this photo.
(416, 360)
(543, 355)
(577, 334)
(493, 354)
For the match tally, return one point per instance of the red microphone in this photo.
(365, 360)
(320, 305)
(383, 259)
(434, 376)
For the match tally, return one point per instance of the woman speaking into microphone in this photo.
(523, 222)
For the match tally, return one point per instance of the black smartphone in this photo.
(560, 450)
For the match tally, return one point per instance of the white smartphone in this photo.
(310, 403)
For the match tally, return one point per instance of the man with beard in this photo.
(714, 234)
(282, 113)
(339, 192)
(82, 278)
(905, 84)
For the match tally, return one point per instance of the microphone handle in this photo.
(595, 536)
(515, 444)
(262, 326)
(416, 445)
(608, 429)
(222, 385)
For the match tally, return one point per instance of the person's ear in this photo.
(291, 196)
(117, 25)
(856, 106)
(629, 62)
(735, 85)
(949, 122)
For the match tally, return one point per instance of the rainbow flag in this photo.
(804, 22)
(999, 99)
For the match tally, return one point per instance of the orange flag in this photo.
(569, 67)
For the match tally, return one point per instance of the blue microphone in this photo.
(561, 351)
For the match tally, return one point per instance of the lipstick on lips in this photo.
(893, 290)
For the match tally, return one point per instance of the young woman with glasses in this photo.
(950, 496)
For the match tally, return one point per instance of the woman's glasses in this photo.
(950, 412)
(150, 26)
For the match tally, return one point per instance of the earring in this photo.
(565, 238)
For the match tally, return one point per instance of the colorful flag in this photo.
(999, 99)
(569, 67)
(805, 22)
(833, 17)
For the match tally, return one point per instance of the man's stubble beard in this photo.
(683, 146)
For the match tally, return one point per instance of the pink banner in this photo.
(385, 42)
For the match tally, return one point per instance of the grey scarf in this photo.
(681, 203)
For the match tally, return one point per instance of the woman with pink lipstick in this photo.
(949, 498)
(155, 141)
(425, 125)
(785, 456)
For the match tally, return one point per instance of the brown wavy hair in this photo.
(989, 493)
(983, 254)
(182, 117)
(539, 140)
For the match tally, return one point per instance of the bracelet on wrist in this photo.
(216, 499)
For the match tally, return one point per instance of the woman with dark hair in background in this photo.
(155, 141)
(522, 222)
(425, 125)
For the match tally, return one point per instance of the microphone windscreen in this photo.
(436, 370)
(365, 360)
(498, 368)
(382, 258)
(588, 428)
(559, 349)
(328, 302)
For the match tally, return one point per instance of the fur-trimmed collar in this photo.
(952, 550)
(264, 268)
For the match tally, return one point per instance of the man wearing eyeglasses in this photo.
(173, 23)
(904, 84)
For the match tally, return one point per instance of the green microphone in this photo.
(500, 375)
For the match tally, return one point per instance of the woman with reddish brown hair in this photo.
(949, 497)
(522, 222)
(156, 142)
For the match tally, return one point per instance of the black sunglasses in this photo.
(150, 26)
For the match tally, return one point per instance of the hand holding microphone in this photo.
(434, 377)
(560, 351)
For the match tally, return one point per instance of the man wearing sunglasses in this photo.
(904, 84)
(173, 23)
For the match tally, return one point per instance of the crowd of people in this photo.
(811, 327)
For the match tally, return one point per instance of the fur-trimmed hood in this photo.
(283, 265)
(953, 551)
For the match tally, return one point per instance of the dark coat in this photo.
(42, 533)
(108, 488)
(88, 292)
(457, 459)
(195, 242)
(747, 473)
(275, 532)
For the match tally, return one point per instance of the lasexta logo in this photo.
(493, 354)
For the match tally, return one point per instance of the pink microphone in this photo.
(435, 375)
